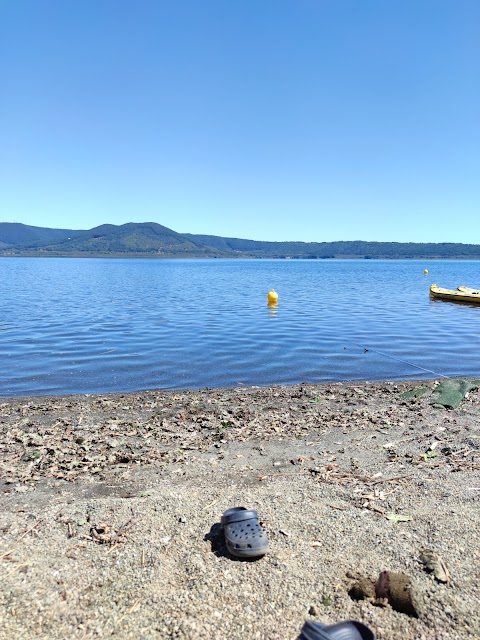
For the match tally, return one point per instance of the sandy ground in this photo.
(111, 507)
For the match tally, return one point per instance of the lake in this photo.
(90, 325)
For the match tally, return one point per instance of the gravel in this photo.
(111, 508)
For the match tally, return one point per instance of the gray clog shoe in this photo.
(244, 536)
(346, 630)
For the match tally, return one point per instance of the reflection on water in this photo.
(92, 325)
(272, 307)
(463, 303)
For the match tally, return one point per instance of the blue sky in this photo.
(311, 120)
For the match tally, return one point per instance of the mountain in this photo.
(14, 234)
(155, 240)
(147, 238)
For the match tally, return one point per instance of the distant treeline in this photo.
(341, 249)
(155, 240)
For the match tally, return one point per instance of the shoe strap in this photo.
(239, 516)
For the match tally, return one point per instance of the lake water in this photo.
(100, 325)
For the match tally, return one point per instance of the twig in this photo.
(274, 475)
(392, 479)
(19, 566)
(112, 548)
(210, 504)
(376, 509)
(31, 528)
(133, 608)
(463, 452)
(124, 528)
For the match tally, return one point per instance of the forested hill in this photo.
(154, 240)
(340, 249)
(147, 238)
(14, 234)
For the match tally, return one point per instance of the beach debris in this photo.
(430, 452)
(396, 589)
(398, 517)
(414, 393)
(103, 533)
(434, 563)
(107, 438)
(450, 393)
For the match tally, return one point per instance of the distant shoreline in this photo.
(187, 257)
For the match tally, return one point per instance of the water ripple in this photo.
(87, 325)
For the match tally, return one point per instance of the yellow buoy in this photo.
(272, 296)
(425, 271)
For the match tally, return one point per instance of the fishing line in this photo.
(387, 355)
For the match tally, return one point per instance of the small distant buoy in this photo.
(425, 271)
(272, 296)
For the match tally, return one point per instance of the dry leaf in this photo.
(435, 564)
(398, 517)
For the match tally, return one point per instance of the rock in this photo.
(396, 588)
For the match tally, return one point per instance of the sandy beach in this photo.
(111, 507)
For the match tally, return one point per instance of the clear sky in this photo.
(311, 120)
